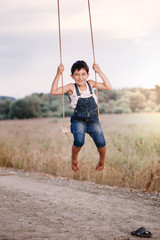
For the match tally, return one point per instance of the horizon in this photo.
(98, 90)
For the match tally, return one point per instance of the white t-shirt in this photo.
(84, 94)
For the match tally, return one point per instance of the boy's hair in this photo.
(79, 65)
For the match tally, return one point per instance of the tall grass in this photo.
(133, 150)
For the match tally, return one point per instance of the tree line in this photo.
(40, 105)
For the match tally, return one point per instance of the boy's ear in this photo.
(71, 75)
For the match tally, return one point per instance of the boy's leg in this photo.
(75, 151)
(78, 128)
(102, 154)
(95, 131)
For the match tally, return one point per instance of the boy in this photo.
(84, 102)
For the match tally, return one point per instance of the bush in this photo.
(137, 102)
(111, 105)
(152, 105)
(68, 111)
(29, 107)
(56, 115)
(103, 108)
(4, 109)
(118, 109)
(55, 105)
(157, 109)
(147, 109)
(121, 109)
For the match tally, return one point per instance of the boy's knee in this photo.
(78, 144)
(101, 145)
(79, 140)
(100, 142)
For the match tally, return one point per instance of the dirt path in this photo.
(34, 206)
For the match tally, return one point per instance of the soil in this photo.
(37, 206)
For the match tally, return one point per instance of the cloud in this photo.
(26, 17)
(125, 19)
(135, 19)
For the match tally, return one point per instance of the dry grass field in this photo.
(133, 150)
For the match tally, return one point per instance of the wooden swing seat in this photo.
(65, 130)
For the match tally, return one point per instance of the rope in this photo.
(90, 20)
(60, 51)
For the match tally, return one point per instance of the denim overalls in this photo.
(85, 119)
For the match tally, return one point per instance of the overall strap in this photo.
(90, 89)
(77, 90)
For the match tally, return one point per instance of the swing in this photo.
(64, 129)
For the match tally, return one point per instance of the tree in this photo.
(4, 108)
(137, 101)
(111, 105)
(29, 107)
(103, 108)
(157, 90)
(158, 108)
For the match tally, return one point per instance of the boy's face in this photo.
(80, 76)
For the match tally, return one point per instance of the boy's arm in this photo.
(106, 85)
(55, 90)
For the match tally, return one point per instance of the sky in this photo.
(126, 39)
